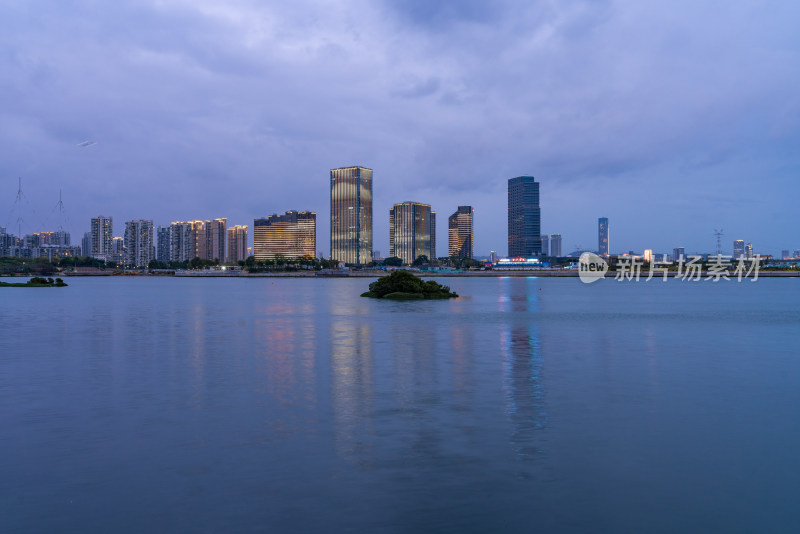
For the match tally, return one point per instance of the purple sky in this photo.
(671, 119)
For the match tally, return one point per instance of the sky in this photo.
(673, 119)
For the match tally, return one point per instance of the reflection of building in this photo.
(351, 215)
(738, 249)
(524, 217)
(461, 240)
(412, 228)
(602, 236)
(102, 231)
(237, 243)
(139, 249)
(292, 235)
(555, 245)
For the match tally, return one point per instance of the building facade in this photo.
(102, 233)
(292, 235)
(412, 230)
(555, 245)
(237, 243)
(678, 253)
(545, 245)
(139, 248)
(117, 251)
(461, 240)
(351, 215)
(602, 236)
(524, 217)
(217, 233)
(738, 249)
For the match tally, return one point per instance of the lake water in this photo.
(290, 405)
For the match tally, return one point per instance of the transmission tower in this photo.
(719, 235)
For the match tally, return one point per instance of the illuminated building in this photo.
(139, 249)
(647, 256)
(117, 251)
(102, 232)
(292, 235)
(237, 243)
(461, 239)
(216, 232)
(602, 236)
(748, 251)
(412, 227)
(524, 217)
(351, 215)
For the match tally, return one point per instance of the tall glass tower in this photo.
(351, 215)
(460, 236)
(602, 236)
(524, 217)
(412, 231)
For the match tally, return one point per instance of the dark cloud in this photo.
(671, 113)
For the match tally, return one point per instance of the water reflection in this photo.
(522, 365)
(352, 385)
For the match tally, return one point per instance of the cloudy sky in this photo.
(670, 118)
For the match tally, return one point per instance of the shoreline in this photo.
(377, 274)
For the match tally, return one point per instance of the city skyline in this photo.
(144, 111)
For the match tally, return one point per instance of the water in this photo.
(291, 405)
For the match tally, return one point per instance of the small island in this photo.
(36, 282)
(402, 285)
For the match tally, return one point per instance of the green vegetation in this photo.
(36, 282)
(403, 285)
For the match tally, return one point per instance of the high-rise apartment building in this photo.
(182, 243)
(602, 236)
(738, 249)
(412, 227)
(102, 232)
(117, 251)
(545, 245)
(217, 232)
(139, 249)
(748, 251)
(292, 235)
(524, 217)
(163, 243)
(351, 215)
(555, 245)
(237, 243)
(86, 244)
(678, 253)
(461, 240)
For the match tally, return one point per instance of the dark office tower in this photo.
(461, 239)
(351, 215)
(678, 253)
(602, 236)
(411, 227)
(545, 245)
(555, 245)
(524, 217)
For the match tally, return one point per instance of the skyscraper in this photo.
(602, 236)
(237, 243)
(524, 217)
(292, 235)
(748, 251)
(217, 233)
(461, 240)
(117, 251)
(182, 245)
(738, 249)
(86, 244)
(411, 231)
(164, 243)
(677, 253)
(139, 249)
(545, 245)
(102, 232)
(555, 245)
(351, 215)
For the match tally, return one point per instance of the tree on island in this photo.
(404, 285)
